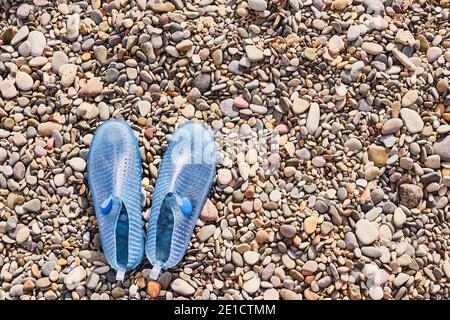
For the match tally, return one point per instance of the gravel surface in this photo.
(332, 118)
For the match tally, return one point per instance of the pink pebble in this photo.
(282, 128)
(45, 19)
(240, 103)
(50, 143)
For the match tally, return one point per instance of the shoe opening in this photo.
(122, 233)
(164, 228)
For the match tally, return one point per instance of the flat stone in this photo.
(318, 161)
(24, 81)
(405, 37)
(287, 294)
(162, 7)
(206, 232)
(310, 267)
(353, 32)
(433, 53)
(366, 232)
(68, 73)
(376, 293)
(309, 54)
(224, 176)
(240, 103)
(144, 107)
(410, 195)
(372, 48)
(371, 173)
(372, 252)
(350, 241)
(16, 290)
(257, 5)
(353, 144)
(228, 109)
(22, 235)
(254, 54)
(378, 155)
(47, 268)
(92, 88)
(87, 111)
(75, 277)
(181, 287)
(184, 45)
(288, 231)
(442, 148)
(261, 236)
(400, 279)
(251, 257)
(373, 213)
(409, 98)
(335, 45)
(404, 59)
(46, 128)
(24, 49)
(252, 286)
(37, 42)
(43, 283)
(300, 105)
(209, 211)
(271, 294)
(59, 58)
(73, 27)
(7, 35)
(21, 35)
(8, 89)
(310, 224)
(412, 120)
(93, 281)
(101, 54)
(312, 121)
(78, 164)
(33, 205)
(202, 82)
(391, 126)
(446, 268)
(399, 218)
(38, 62)
(442, 85)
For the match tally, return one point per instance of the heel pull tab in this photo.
(154, 274)
(120, 275)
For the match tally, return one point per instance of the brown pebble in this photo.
(153, 289)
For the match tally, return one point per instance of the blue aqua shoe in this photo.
(182, 186)
(114, 175)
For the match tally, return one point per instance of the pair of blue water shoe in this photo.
(182, 186)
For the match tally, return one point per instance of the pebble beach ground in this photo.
(352, 204)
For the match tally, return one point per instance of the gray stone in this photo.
(206, 232)
(33, 205)
(312, 122)
(366, 232)
(181, 287)
(59, 58)
(75, 277)
(391, 126)
(442, 148)
(410, 195)
(202, 82)
(412, 120)
(257, 5)
(37, 42)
